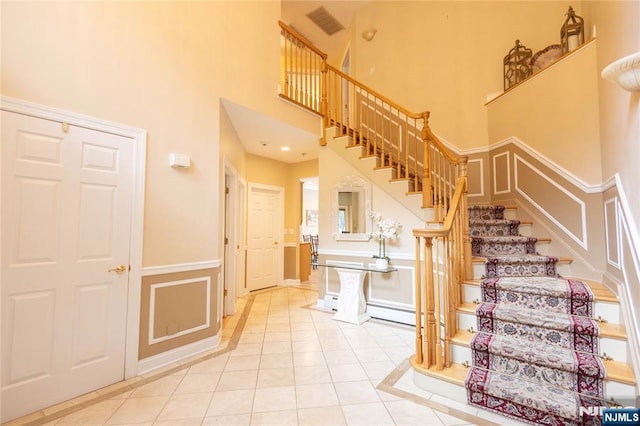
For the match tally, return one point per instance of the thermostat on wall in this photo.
(179, 160)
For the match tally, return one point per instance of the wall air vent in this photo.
(325, 21)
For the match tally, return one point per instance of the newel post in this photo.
(418, 298)
(429, 308)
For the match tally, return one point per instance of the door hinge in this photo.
(226, 240)
(226, 189)
(225, 292)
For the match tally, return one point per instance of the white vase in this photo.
(382, 263)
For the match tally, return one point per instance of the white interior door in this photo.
(265, 230)
(66, 223)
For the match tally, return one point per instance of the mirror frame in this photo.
(362, 187)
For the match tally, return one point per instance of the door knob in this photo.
(120, 269)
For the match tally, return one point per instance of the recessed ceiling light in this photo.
(285, 148)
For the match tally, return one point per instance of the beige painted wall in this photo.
(555, 112)
(162, 67)
(446, 56)
(618, 34)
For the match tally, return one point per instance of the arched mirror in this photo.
(351, 208)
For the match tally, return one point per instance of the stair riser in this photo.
(461, 354)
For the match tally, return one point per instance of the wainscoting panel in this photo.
(394, 289)
(475, 173)
(612, 232)
(501, 173)
(544, 193)
(177, 309)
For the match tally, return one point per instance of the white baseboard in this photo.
(375, 311)
(163, 359)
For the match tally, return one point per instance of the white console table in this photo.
(352, 304)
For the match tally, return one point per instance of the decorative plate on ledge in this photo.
(545, 57)
(625, 71)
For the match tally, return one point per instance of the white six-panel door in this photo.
(264, 236)
(66, 218)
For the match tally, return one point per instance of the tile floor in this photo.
(284, 362)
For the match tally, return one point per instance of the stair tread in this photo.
(600, 292)
(616, 331)
(455, 374)
(616, 371)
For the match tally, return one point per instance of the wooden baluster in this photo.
(430, 323)
(418, 299)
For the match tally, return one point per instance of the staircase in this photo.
(498, 325)
(532, 339)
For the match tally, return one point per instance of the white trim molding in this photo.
(173, 356)
(180, 267)
(152, 308)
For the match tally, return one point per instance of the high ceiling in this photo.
(265, 136)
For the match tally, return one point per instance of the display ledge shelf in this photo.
(625, 71)
(498, 95)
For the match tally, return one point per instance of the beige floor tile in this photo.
(312, 374)
(321, 416)
(231, 420)
(302, 359)
(163, 386)
(212, 365)
(356, 392)
(274, 399)
(302, 327)
(276, 347)
(96, 414)
(235, 380)
(343, 356)
(347, 373)
(367, 414)
(371, 355)
(276, 361)
(239, 363)
(179, 422)
(186, 406)
(195, 383)
(280, 418)
(378, 370)
(272, 377)
(225, 403)
(251, 338)
(409, 413)
(244, 349)
(308, 345)
(277, 336)
(301, 335)
(318, 395)
(137, 410)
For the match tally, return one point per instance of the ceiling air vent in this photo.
(325, 21)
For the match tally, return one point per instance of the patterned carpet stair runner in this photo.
(535, 353)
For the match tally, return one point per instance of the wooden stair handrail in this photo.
(415, 115)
